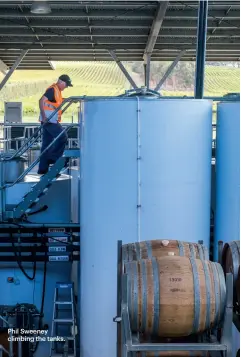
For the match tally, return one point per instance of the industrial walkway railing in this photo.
(33, 139)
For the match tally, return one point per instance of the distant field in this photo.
(98, 78)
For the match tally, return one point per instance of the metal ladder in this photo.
(40, 189)
(70, 321)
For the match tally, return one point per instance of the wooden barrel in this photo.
(175, 296)
(231, 263)
(161, 248)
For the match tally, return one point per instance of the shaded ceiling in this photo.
(86, 30)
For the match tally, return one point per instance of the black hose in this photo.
(18, 259)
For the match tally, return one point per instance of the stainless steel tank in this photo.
(145, 174)
(13, 168)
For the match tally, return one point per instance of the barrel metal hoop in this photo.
(235, 257)
(181, 248)
(216, 291)
(144, 294)
(149, 249)
(208, 293)
(192, 250)
(130, 246)
(128, 271)
(156, 294)
(222, 289)
(138, 255)
(196, 295)
(200, 251)
(135, 292)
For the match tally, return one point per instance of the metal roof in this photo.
(86, 30)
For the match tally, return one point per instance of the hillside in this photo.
(105, 78)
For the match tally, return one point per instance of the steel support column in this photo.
(156, 26)
(152, 38)
(3, 68)
(12, 69)
(169, 70)
(147, 69)
(122, 68)
(201, 48)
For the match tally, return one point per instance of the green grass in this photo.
(95, 79)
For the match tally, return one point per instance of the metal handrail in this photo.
(37, 160)
(38, 133)
(9, 353)
(4, 350)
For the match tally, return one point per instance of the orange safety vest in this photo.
(50, 106)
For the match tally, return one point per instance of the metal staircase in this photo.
(41, 188)
(24, 208)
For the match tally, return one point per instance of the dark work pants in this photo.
(50, 132)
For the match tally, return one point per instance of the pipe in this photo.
(201, 48)
(138, 171)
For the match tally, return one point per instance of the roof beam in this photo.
(107, 58)
(12, 69)
(123, 69)
(155, 29)
(130, 47)
(70, 57)
(3, 67)
(116, 24)
(76, 52)
(169, 70)
(114, 33)
(113, 41)
(108, 14)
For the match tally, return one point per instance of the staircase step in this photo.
(61, 355)
(39, 189)
(64, 320)
(63, 302)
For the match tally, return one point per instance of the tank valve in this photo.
(117, 319)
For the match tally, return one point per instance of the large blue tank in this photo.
(145, 174)
(227, 220)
